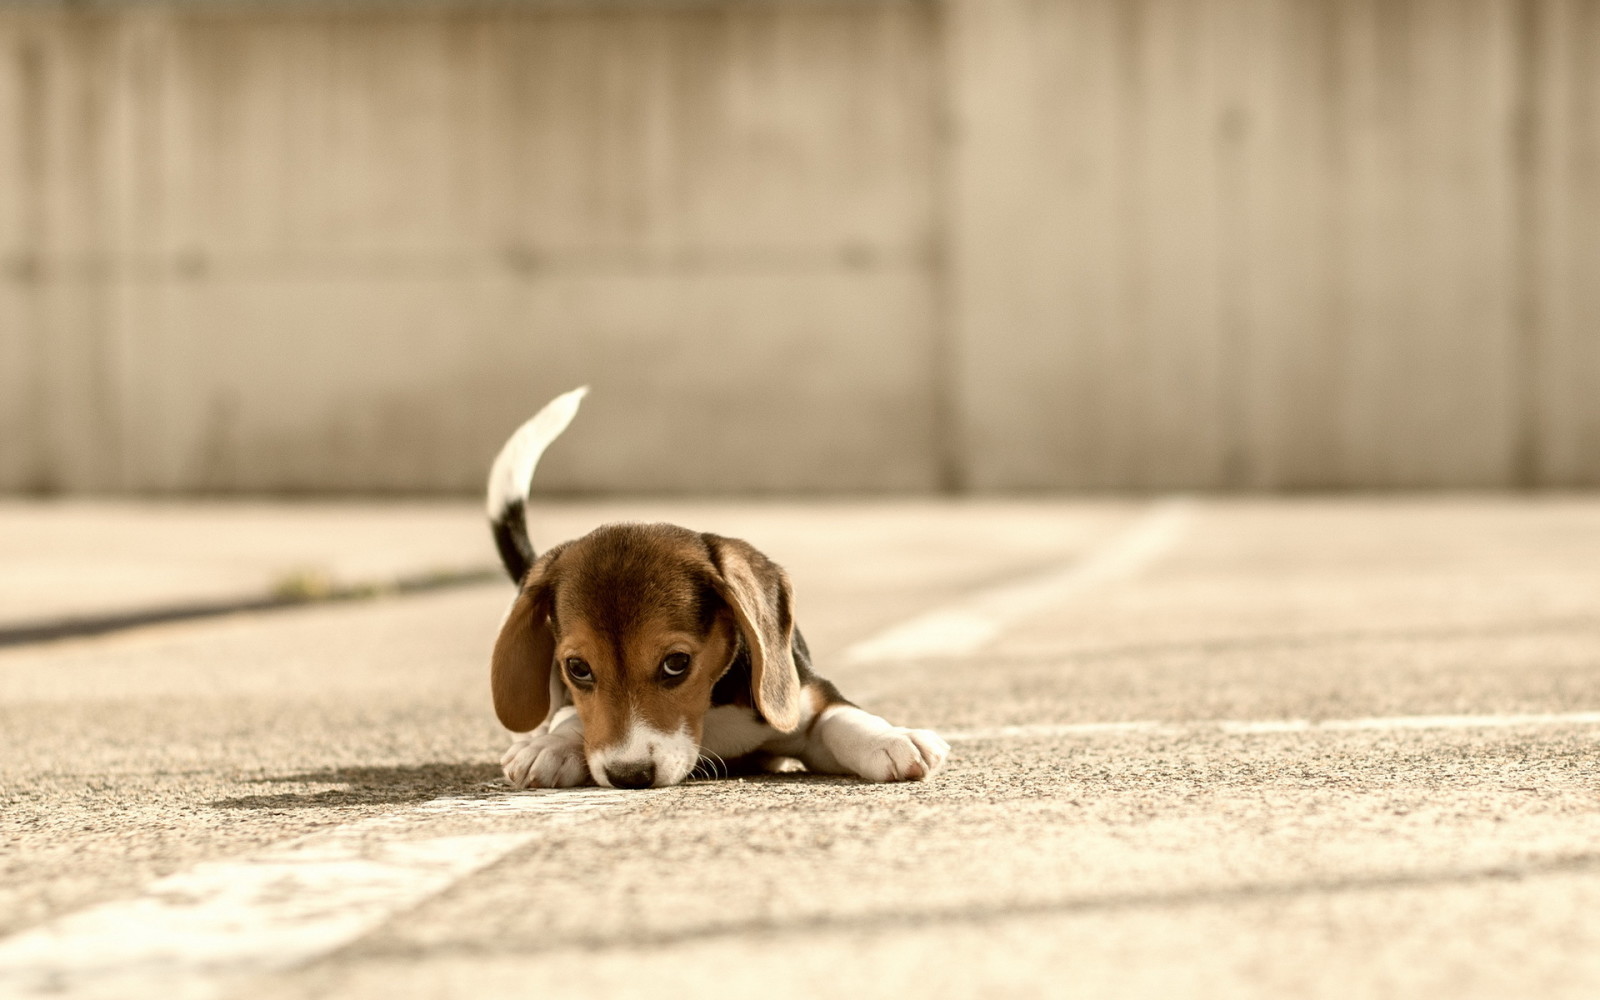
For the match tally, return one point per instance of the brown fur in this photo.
(622, 599)
(626, 687)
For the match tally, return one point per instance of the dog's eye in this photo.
(675, 665)
(579, 670)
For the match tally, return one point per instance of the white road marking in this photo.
(206, 931)
(963, 628)
(1377, 724)
(202, 932)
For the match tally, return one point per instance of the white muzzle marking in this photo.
(645, 757)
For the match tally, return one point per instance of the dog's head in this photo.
(638, 623)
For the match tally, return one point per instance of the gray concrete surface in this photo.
(84, 559)
(72, 560)
(1186, 860)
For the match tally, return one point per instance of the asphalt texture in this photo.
(1381, 855)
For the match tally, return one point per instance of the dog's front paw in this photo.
(544, 760)
(899, 754)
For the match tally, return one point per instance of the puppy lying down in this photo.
(639, 652)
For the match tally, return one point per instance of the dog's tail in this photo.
(512, 475)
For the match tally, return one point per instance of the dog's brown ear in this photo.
(519, 669)
(757, 590)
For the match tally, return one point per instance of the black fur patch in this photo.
(511, 538)
(734, 686)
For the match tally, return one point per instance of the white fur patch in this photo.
(730, 731)
(673, 755)
(847, 740)
(512, 471)
(550, 756)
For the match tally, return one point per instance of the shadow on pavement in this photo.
(370, 786)
(422, 782)
(285, 597)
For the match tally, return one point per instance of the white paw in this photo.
(899, 754)
(544, 760)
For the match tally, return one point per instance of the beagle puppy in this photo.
(642, 654)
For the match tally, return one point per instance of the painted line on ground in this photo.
(1398, 723)
(208, 930)
(966, 626)
(205, 931)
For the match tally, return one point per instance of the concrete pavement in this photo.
(1393, 853)
(87, 561)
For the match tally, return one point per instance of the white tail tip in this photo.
(512, 472)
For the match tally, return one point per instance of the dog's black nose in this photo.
(632, 775)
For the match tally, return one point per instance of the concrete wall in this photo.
(867, 245)
(1286, 243)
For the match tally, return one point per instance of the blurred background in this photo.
(797, 246)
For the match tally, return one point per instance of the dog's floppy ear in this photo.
(757, 590)
(519, 671)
